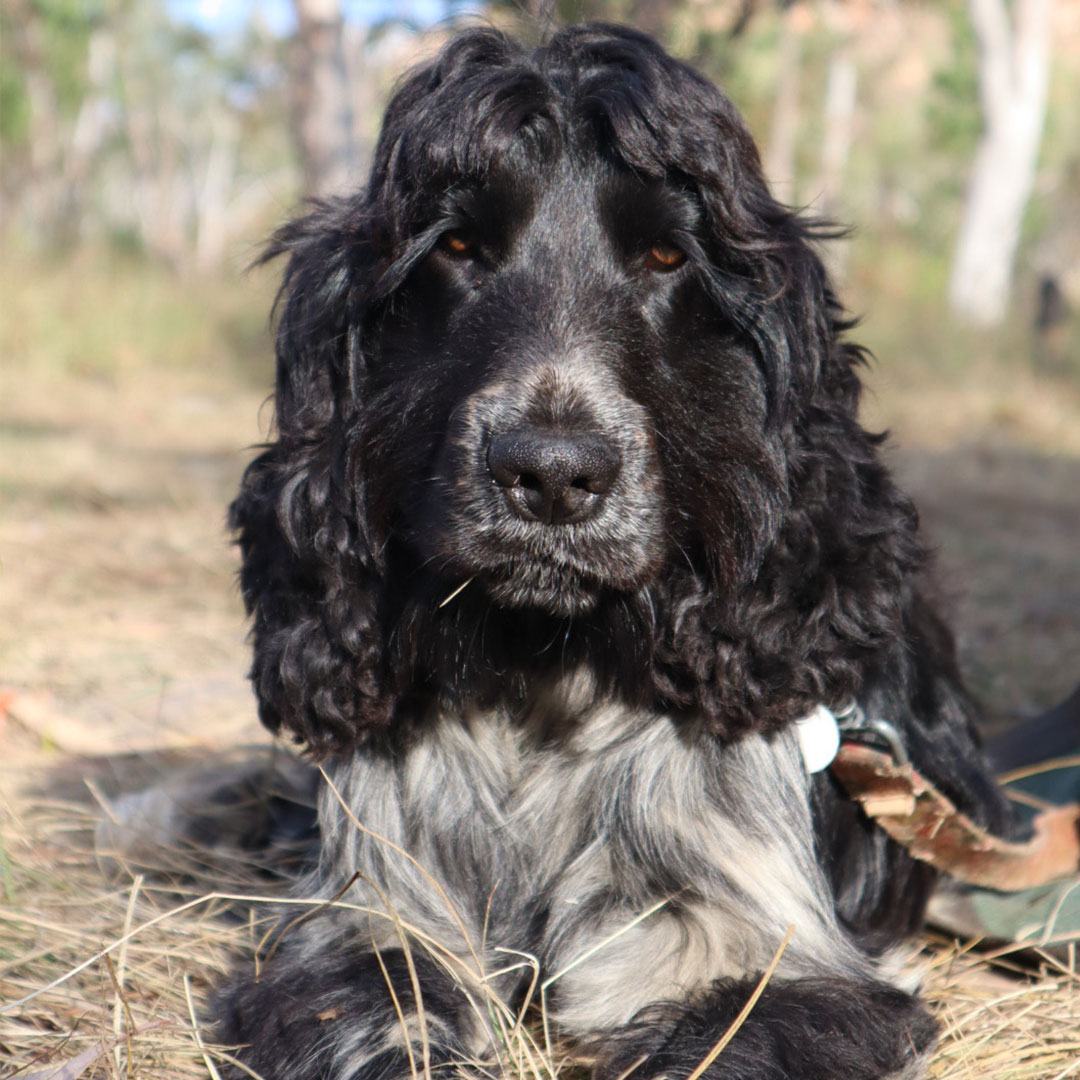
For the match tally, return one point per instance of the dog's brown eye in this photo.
(455, 244)
(663, 257)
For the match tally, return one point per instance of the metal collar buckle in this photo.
(855, 726)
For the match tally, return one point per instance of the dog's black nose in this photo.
(554, 477)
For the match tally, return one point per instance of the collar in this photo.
(868, 759)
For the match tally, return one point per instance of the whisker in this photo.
(456, 591)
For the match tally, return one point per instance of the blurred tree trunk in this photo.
(46, 171)
(825, 194)
(212, 194)
(840, 100)
(652, 16)
(779, 157)
(158, 195)
(1014, 75)
(38, 190)
(323, 120)
(93, 123)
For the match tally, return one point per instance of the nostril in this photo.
(502, 468)
(599, 480)
(598, 469)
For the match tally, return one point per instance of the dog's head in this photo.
(566, 351)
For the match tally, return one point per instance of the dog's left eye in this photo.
(454, 243)
(663, 258)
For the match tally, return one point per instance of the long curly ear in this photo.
(848, 550)
(826, 597)
(828, 602)
(310, 576)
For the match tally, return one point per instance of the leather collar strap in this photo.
(920, 818)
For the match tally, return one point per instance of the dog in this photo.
(567, 521)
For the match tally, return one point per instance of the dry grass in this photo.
(1001, 1019)
(107, 970)
(111, 981)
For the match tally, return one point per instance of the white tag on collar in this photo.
(819, 738)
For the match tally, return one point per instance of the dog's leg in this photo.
(722, 838)
(329, 1007)
(394, 978)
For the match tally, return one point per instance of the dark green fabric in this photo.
(1045, 916)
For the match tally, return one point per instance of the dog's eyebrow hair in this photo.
(393, 277)
(685, 209)
(463, 200)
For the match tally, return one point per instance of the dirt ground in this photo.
(122, 628)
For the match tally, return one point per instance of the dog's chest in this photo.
(525, 801)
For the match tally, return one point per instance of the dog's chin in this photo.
(554, 590)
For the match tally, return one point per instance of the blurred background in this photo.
(147, 148)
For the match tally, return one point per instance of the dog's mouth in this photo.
(555, 588)
(568, 577)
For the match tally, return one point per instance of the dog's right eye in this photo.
(454, 243)
(663, 258)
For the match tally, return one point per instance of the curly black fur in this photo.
(751, 558)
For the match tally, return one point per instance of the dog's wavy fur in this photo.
(601, 719)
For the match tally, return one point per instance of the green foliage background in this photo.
(903, 183)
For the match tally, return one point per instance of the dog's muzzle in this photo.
(549, 492)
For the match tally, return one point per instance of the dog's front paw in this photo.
(322, 1009)
(806, 1029)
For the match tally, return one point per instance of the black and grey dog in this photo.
(569, 517)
